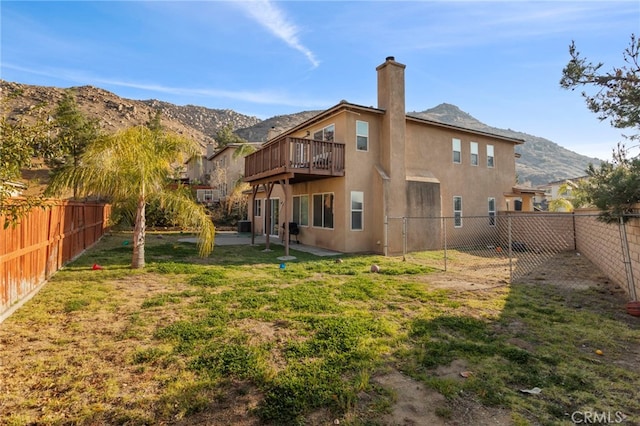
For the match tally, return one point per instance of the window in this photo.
(362, 135)
(474, 153)
(492, 211)
(490, 161)
(457, 212)
(325, 134)
(301, 210)
(208, 195)
(357, 210)
(323, 210)
(257, 207)
(457, 148)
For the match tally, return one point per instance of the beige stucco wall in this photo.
(430, 150)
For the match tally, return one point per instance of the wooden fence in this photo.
(44, 241)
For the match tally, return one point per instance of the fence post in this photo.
(626, 258)
(510, 250)
(444, 227)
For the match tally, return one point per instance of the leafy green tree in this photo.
(572, 195)
(74, 132)
(617, 96)
(19, 138)
(225, 136)
(133, 168)
(613, 187)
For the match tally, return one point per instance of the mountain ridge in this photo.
(541, 160)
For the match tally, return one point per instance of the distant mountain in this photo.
(541, 160)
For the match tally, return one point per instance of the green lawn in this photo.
(236, 339)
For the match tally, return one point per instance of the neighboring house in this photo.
(560, 189)
(198, 169)
(343, 173)
(213, 176)
(226, 169)
(12, 189)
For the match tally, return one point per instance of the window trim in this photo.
(299, 222)
(457, 214)
(323, 130)
(257, 207)
(361, 211)
(313, 218)
(456, 143)
(362, 135)
(492, 213)
(491, 156)
(473, 147)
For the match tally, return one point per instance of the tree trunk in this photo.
(138, 236)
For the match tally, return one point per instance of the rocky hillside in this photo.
(541, 160)
(114, 113)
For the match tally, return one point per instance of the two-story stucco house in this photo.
(213, 176)
(343, 173)
(227, 168)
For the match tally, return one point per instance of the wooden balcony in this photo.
(295, 159)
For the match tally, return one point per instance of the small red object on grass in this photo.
(96, 267)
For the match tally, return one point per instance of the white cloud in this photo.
(275, 20)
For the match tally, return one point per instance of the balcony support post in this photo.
(254, 192)
(268, 187)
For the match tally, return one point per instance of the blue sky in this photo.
(498, 61)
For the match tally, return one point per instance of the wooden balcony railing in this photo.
(305, 158)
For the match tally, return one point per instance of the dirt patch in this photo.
(415, 404)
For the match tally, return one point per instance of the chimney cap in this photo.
(390, 58)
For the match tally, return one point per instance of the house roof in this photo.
(463, 129)
(230, 146)
(344, 105)
(563, 181)
(13, 184)
(517, 191)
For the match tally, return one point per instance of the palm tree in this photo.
(134, 167)
(571, 195)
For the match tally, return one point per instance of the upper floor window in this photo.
(490, 160)
(492, 211)
(301, 210)
(457, 151)
(357, 210)
(474, 153)
(323, 210)
(457, 212)
(362, 135)
(325, 134)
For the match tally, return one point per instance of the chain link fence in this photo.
(517, 246)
